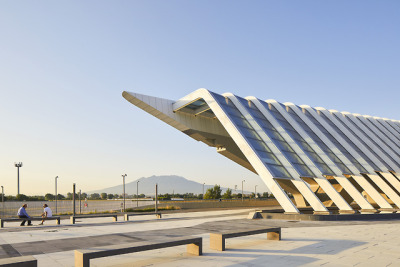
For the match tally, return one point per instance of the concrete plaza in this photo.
(304, 243)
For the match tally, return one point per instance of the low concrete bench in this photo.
(73, 218)
(24, 261)
(217, 240)
(83, 256)
(2, 221)
(127, 215)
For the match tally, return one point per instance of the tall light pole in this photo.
(73, 198)
(255, 192)
(203, 189)
(56, 195)
(18, 165)
(2, 200)
(242, 189)
(123, 182)
(137, 193)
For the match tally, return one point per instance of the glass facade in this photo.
(322, 145)
(372, 129)
(271, 162)
(372, 149)
(278, 140)
(307, 149)
(350, 143)
(390, 129)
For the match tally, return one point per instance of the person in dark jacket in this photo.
(23, 214)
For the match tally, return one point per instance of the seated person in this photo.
(23, 214)
(46, 214)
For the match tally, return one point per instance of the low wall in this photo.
(209, 204)
(35, 208)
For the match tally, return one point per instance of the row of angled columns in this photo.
(384, 184)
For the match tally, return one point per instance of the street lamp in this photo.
(56, 196)
(137, 193)
(18, 165)
(255, 192)
(123, 180)
(203, 189)
(2, 200)
(242, 189)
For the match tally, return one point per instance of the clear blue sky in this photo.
(64, 64)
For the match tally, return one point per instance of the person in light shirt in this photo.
(47, 213)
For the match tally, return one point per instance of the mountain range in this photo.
(166, 184)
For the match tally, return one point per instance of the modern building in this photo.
(324, 158)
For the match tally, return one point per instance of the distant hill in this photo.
(166, 184)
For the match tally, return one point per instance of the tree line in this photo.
(211, 193)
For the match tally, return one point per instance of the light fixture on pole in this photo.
(255, 192)
(242, 189)
(18, 165)
(56, 195)
(123, 182)
(137, 193)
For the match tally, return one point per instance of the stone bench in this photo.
(217, 240)
(73, 218)
(127, 215)
(24, 261)
(2, 221)
(83, 256)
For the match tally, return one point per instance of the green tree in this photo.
(21, 197)
(213, 193)
(95, 196)
(110, 196)
(49, 196)
(103, 195)
(228, 194)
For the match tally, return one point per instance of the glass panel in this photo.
(251, 136)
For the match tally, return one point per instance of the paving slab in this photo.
(350, 243)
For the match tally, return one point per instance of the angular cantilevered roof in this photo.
(322, 157)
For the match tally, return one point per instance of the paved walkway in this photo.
(303, 243)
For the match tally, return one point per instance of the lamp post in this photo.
(156, 198)
(2, 199)
(255, 192)
(203, 189)
(56, 195)
(242, 189)
(123, 182)
(18, 165)
(73, 199)
(137, 193)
